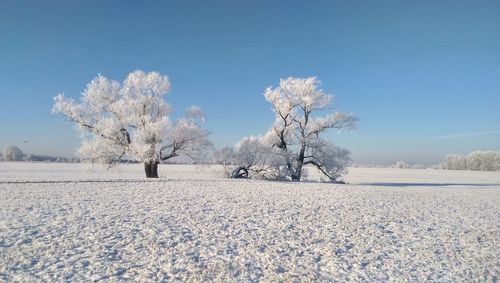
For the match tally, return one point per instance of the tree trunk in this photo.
(300, 163)
(240, 172)
(151, 169)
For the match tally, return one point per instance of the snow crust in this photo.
(193, 225)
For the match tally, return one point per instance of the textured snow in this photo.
(68, 222)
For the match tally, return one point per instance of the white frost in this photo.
(116, 226)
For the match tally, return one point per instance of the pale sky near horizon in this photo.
(422, 76)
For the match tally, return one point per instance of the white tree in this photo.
(482, 160)
(477, 160)
(12, 153)
(456, 162)
(328, 158)
(131, 121)
(297, 129)
(251, 158)
(400, 164)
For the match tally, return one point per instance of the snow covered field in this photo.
(73, 222)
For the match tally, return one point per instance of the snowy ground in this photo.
(71, 222)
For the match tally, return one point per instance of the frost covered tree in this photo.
(12, 153)
(329, 159)
(130, 120)
(477, 160)
(251, 158)
(297, 104)
(456, 162)
(483, 161)
(400, 164)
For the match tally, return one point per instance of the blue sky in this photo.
(423, 76)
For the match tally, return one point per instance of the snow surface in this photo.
(68, 222)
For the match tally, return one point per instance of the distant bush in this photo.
(47, 158)
(12, 153)
(400, 164)
(477, 160)
(418, 166)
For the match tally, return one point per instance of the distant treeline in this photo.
(14, 153)
(477, 160)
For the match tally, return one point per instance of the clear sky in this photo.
(423, 76)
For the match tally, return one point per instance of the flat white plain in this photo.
(76, 222)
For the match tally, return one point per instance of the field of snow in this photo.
(73, 222)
